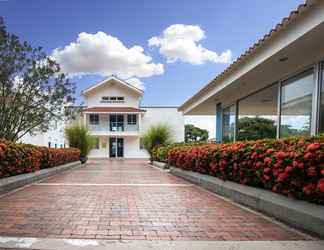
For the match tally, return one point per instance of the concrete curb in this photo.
(94, 244)
(297, 213)
(10, 183)
(161, 165)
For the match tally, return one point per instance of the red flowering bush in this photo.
(18, 158)
(293, 166)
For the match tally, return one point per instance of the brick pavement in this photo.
(128, 199)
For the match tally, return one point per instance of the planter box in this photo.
(297, 213)
(161, 165)
(10, 183)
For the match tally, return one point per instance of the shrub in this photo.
(18, 158)
(293, 166)
(156, 135)
(79, 137)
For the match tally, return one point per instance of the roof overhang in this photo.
(298, 38)
(112, 110)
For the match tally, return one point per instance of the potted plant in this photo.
(78, 137)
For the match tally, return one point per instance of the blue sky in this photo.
(226, 25)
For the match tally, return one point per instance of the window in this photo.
(257, 115)
(321, 107)
(131, 119)
(96, 143)
(94, 119)
(296, 105)
(228, 123)
(112, 99)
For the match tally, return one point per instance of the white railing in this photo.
(119, 128)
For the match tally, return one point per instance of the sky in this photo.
(171, 48)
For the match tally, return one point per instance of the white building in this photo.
(115, 118)
(280, 79)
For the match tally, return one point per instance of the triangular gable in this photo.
(109, 80)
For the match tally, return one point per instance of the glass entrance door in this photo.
(116, 147)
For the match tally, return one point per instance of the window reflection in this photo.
(257, 117)
(228, 124)
(296, 105)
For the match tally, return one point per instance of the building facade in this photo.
(114, 117)
(275, 89)
(116, 120)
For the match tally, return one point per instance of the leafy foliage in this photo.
(193, 133)
(156, 135)
(256, 128)
(291, 166)
(32, 89)
(78, 137)
(19, 158)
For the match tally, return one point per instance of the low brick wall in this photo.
(297, 213)
(10, 183)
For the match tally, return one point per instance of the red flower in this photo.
(308, 156)
(313, 147)
(267, 170)
(312, 171)
(320, 185)
(322, 172)
(288, 169)
(267, 160)
(281, 155)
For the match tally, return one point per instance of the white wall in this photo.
(55, 136)
(93, 99)
(168, 115)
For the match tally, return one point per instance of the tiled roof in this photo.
(113, 109)
(252, 49)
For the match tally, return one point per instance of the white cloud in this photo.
(105, 55)
(181, 42)
(136, 82)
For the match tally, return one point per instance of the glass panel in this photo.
(321, 109)
(94, 119)
(131, 119)
(228, 124)
(116, 122)
(257, 117)
(296, 105)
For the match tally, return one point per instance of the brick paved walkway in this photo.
(129, 200)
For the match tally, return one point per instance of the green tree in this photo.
(193, 133)
(33, 91)
(256, 128)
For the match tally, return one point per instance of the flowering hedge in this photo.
(293, 167)
(18, 158)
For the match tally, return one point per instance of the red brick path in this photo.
(151, 212)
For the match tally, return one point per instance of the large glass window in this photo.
(296, 105)
(228, 123)
(321, 109)
(257, 115)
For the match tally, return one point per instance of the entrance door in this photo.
(116, 147)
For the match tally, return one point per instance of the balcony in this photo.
(113, 127)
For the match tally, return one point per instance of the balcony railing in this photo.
(114, 127)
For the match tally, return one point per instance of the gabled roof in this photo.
(110, 79)
(253, 49)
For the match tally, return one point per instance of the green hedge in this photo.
(292, 166)
(19, 158)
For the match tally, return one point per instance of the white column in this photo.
(84, 119)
